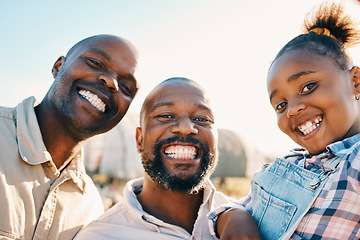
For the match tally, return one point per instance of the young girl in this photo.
(314, 89)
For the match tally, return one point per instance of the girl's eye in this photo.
(94, 63)
(308, 87)
(280, 106)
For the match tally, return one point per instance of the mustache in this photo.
(159, 173)
(177, 139)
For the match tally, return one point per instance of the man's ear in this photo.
(57, 65)
(139, 140)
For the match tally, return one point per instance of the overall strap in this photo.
(329, 168)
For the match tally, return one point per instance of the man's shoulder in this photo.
(8, 127)
(7, 113)
(220, 198)
(117, 214)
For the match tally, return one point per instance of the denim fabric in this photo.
(281, 195)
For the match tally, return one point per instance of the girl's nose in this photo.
(295, 108)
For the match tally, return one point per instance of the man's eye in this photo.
(308, 87)
(94, 63)
(164, 117)
(126, 90)
(203, 120)
(280, 106)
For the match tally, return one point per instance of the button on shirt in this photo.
(127, 219)
(37, 201)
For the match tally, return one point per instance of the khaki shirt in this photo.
(36, 200)
(127, 220)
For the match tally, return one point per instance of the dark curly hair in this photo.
(341, 26)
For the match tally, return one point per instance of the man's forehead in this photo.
(173, 95)
(101, 43)
(178, 87)
(169, 90)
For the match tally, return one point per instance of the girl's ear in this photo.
(139, 139)
(355, 72)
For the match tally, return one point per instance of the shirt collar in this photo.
(135, 185)
(31, 146)
(344, 147)
(340, 148)
(76, 171)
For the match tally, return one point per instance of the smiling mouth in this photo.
(309, 126)
(93, 99)
(181, 152)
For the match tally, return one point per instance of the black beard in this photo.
(191, 184)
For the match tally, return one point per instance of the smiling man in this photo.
(45, 192)
(177, 140)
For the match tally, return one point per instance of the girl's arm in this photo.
(237, 223)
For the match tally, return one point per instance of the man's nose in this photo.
(110, 81)
(184, 126)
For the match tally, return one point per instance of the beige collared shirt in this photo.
(127, 220)
(36, 200)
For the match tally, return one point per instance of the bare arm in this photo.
(237, 224)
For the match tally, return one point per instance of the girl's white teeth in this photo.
(93, 99)
(181, 152)
(309, 126)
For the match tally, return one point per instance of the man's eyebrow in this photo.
(132, 79)
(107, 57)
(299, 74)
(204, 107)
(100, 52)
(161, 104)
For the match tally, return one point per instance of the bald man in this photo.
(177, 139)
(45, 192)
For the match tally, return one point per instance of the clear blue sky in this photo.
(225, 45)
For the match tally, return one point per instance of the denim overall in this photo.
(282, 193)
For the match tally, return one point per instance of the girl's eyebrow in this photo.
(272, 94)
(293, 78)
(299, 74)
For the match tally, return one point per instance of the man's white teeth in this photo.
(309, 126)
(93, 99)
(181, 152)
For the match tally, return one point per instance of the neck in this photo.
(61, 146)
(177, 208)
